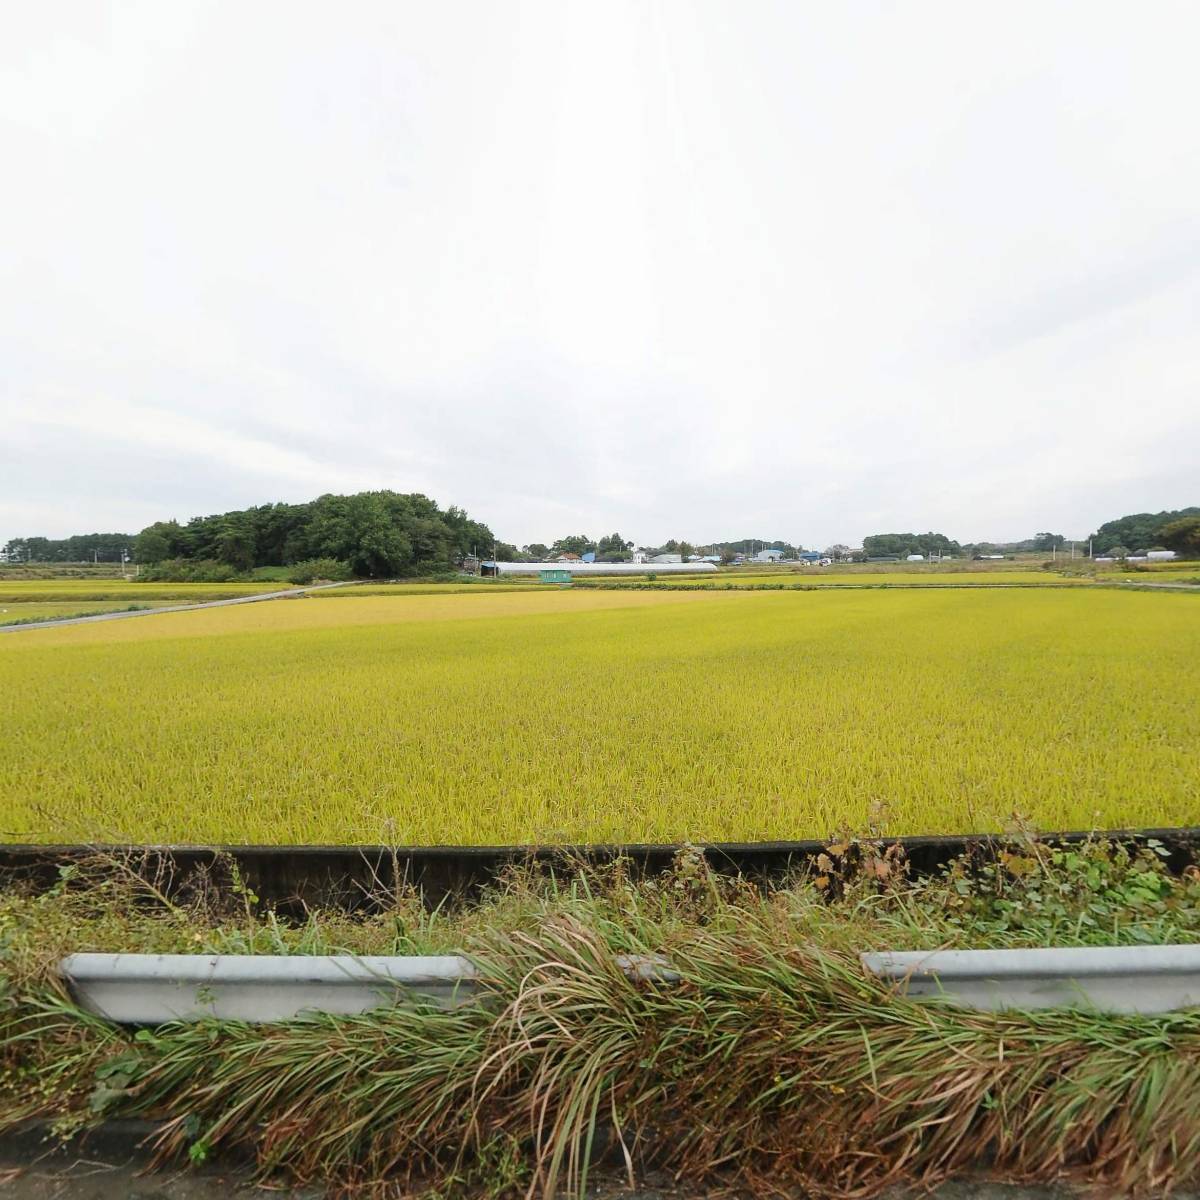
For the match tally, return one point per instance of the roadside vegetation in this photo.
(774, 1062)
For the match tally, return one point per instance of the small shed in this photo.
(554, 575)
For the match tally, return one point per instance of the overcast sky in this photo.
(692, 269)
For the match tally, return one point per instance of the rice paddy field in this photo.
(12, 613)
(64, 591)
(571, 715)
(22, 601)
(858, 578)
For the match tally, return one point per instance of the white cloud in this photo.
(691, 269)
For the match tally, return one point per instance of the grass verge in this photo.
(775, 1063)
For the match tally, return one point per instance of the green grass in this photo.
(606, 716)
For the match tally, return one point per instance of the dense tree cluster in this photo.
(900, 545)
(749, 546)
(377, 534)
(83, 547)
(613, 548)
(1141, 531)
(1182, 536)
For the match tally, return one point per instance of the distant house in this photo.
(667, 558)
(809, 556)
(769, 556)
(639, 556)
(568, 557)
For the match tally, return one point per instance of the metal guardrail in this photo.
(149, 989)
(1125, 979)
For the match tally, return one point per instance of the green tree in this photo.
(614, 542)
(578, 543)
(157, 542)
(378, 533)
(235, 543)
(1137, 529)
(879, 545)
(1182, 536)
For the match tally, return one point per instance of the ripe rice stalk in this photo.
(605, 716)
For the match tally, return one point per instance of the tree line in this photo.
(385, 533)
(80, 548)
(1177, 530)
(370, 534)
(375, 534)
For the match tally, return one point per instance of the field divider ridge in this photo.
(353, 877)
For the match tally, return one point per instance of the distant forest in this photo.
(383, 534)
(370, 534)
(1149, 531)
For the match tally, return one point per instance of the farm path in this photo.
(286, 594)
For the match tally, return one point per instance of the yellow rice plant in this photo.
(606, 716)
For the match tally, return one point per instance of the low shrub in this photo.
(312, 570)
(186, 570)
